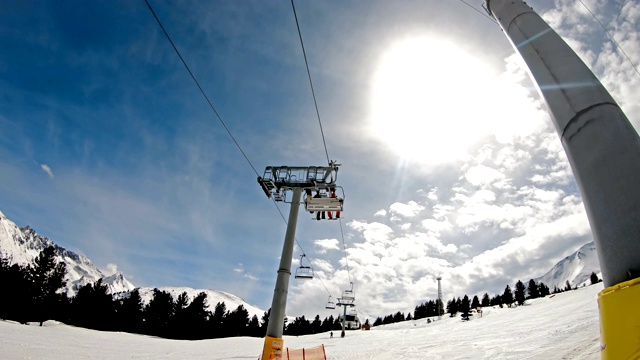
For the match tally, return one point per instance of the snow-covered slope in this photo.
(576, 268)
(213, 297)
(564, 326)
(22, 246)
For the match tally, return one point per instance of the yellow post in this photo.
(620, 321)
(272, 348)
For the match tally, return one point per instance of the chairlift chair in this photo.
(349, 295)
(330, 304)
(325, 202)
(304, 272)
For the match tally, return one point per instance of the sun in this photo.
(425, 94)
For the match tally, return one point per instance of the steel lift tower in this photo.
(440, 306)
(604, 152)
(276, 183)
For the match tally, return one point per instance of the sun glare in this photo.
(425, 95)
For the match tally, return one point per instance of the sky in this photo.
(451, 166)
(570, 331)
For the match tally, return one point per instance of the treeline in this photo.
(464, 306)
(38, 294)
(302, 326)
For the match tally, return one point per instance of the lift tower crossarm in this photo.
(278, 179)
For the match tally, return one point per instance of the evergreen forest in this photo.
(39, 294)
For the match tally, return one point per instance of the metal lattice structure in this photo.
(278, 179)
(440, 304)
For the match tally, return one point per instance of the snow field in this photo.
(565, 326)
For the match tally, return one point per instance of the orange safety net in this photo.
(316, 353)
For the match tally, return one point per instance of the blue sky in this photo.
(450, 163)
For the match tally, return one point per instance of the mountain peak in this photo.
(23, 245)
(575, 268)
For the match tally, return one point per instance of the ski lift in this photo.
(348, 295)
(304, 272)
(351, 321)
(330, 304)
(326, 199)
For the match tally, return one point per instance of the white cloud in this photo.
(250, 277)
(372, 232)
(46, 168)
(435, 227)
(381, 212)
(409, 209)
(326, 244)
(433, 194)
(481, 175)
(110, 269)
(440, 211)
(321, 267)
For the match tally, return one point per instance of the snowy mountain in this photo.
(213, 297)
(22, 246)
(576, 268)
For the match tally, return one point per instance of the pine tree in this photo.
(520, 293)
(475, 303)
(264, 322)
(316, 325)
(594, 278)
(254, 327)
(45, 277)
(417, 311)
(93, 307)
(326, 324)
(130, 312)
(496, 300)
(216, 322)
(195, 317)
(337, 325)
(179, 323)
(465, 307)
(507, 296)
(398, 317)
(544, 289)
(533, 289)
(236, 321)
(159, 313)
(567, 286)
(300, 326)
(485, 300)
(452, 307)
(5, 300)
(17, 305)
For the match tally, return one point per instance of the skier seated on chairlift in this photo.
(308, 192)
(333, 195)
(317, 195)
